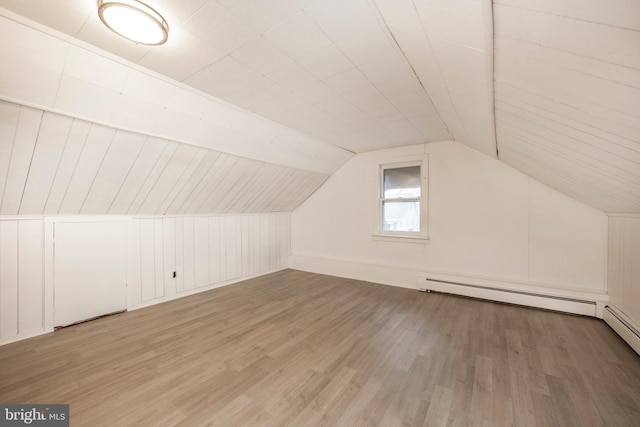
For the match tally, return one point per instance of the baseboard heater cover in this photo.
(622, 327)
(549, 302)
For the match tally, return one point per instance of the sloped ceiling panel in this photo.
(54, 164)
(324, 68)
(449, 45)
(61, 74)
(342, 76)
(567, 96)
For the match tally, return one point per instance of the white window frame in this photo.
(403, 236)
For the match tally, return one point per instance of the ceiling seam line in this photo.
(384, 24)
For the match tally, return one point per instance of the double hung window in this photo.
(401, 199)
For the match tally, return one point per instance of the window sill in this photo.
(400, 238)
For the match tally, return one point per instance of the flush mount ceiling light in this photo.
(134, 20)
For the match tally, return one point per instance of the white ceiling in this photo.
(329, 69)
(567, 96)
(342, 76)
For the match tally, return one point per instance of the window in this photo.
(401, 200)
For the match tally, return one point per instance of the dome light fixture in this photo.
(134, 20)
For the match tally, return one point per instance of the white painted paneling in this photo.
(87, 66)
(259, 183)
(449, 45)
(80, 98)
(223, 253)
(274, 253)
(20, 159)
(185, 177)
(78, 79)
(215, 249)
(30, 277)
(9, 115)
(63, 165)
(284, 239)
(224, 164)
(150, 154)
(148, 261)
(263, 238)
(192, 183)
(201, 246)
(93, 153)
(158, 256)
(134, 265)
(179, 255)
(24, 299)
(188, 253)
(52, 137)
(233, 248)
(624, 268)
(199, 193)
(618, 13)
(568, 97)
(255, 244)
(169, 177)
(241, 187)
(8, 280)
(169, 256)
(30, 78)
(247, 239)
(90, 279)
(116, 165)
(271, 186)
(72, 150)
(231, 183)
(150, 181)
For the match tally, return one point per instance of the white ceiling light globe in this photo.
(134, 21)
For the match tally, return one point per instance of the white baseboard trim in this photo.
(24, 336)
(559, 298)
(623, 326)
(199, 290)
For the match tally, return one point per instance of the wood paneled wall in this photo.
(22, 292)
(204, 252)
(53, 164)
(567, 96)
(624, 265)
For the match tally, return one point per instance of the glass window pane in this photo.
(401, 216)
(402, 182)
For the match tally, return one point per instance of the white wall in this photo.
(486, 220)
(624, 266)
(22, 291)
(204, 251)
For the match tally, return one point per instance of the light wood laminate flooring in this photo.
(302, 349)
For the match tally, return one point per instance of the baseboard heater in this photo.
(623, 327)
(519, 297)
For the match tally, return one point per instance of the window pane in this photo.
(402, 182)
(401, 216)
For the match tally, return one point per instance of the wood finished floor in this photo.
(302, 349)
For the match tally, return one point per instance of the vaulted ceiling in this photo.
(551, 87)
